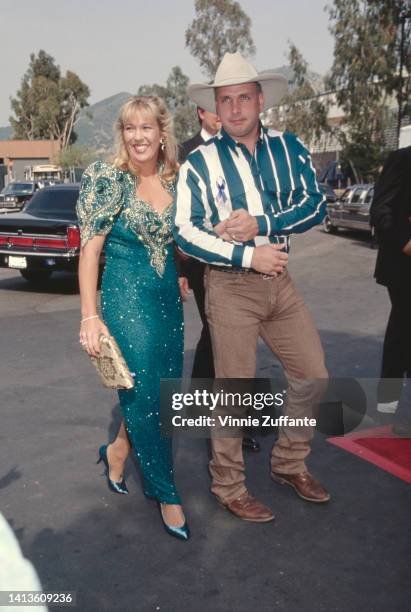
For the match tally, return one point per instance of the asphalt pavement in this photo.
(350, 554)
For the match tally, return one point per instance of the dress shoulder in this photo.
(100, 199)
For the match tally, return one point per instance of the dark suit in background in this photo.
(391, 217)
(185, 148)
(203, 366)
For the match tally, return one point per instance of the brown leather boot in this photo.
(248, 508)
(304, 485)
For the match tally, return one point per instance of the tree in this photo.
(220, 26)
(75, 156)
(302, 111)
(33, 105)
(43, 65)
(36, 99)
(174, 94)
(177, 100)
(73, 94)
(365, 74)
(48, 105)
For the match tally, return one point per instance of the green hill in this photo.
(6, 133)
(94, 128)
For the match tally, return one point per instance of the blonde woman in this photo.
(126, 206)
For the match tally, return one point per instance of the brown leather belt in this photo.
(237, 270)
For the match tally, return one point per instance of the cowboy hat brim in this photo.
(274, 87)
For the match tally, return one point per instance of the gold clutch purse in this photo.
(111, 366)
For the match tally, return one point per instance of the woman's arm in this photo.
(91, 328)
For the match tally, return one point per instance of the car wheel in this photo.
(36, 276)
(328, 227)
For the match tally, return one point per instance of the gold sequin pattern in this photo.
(107, 192)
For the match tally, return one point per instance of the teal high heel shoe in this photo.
(182, 533)
(117, 487)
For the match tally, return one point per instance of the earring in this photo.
(163, 144)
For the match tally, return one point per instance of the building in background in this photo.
(17, 157)
(326, 151)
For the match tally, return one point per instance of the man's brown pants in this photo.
(240, 308)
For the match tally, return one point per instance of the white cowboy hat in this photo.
(235, 70)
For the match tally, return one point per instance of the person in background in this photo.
(391, 217)
(193, 269)
(209, 127)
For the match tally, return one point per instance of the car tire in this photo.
(36, 276)
(328, 227)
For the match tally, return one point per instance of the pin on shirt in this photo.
(221, 196)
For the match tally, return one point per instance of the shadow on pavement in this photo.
(59, 283)
(12, 475)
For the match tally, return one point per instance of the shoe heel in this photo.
(181, 533)
(116, 487)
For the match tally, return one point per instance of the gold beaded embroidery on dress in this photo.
(151, 227)
(107, 192)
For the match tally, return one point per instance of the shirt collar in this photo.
(205, 135)
(233, 144)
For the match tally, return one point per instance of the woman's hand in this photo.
(90, 332)
(184, 287)
(92, 326)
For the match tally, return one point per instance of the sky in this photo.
(116, 47)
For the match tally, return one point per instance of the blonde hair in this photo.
(156, 107)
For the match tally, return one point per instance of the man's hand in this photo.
(269, 259)
(407, 249)
(184, 287)
(183, 256)
(220, 230)
(241, 226)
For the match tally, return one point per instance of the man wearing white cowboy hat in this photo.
(239, 197)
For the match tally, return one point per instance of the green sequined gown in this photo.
(141, 307)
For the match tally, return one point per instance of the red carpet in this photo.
(380, 447)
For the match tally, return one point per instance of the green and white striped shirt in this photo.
(277, 185)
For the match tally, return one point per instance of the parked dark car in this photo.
(16, 194)
(351, 210)
(44, 237)
(329, 193)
